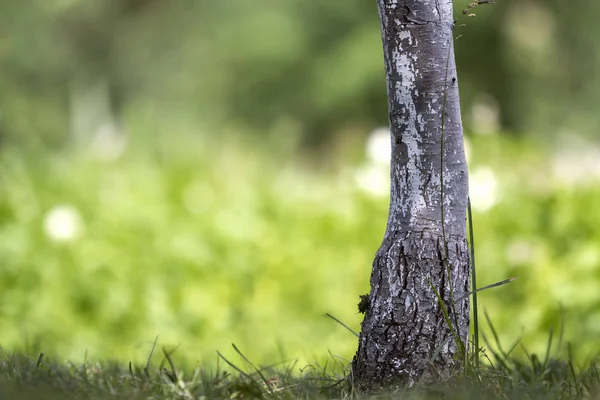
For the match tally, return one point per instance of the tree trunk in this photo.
(405, 336)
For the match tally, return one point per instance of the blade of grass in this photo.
(498, 356)
(494, 334)
(572, 369)
(493, 285)
(327, 315)
(455, 335)
(264, 379)
(562, 331)
(473, 285)
(502, 357)
(548, 348)
(147, 367)
(232, 365)
(513, 347)
(39, 360)
(169, 359)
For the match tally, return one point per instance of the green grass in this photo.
(502, 377)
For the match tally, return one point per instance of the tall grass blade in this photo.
(327, 315)
(455, 335)
(232, 365)
(265, 380)
(562, 331)
(494, 334)
(497, 356)
(573, 373)
(147, 367)
(167, 354)
(473, 285)
(548, 349)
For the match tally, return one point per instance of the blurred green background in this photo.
(215, 171)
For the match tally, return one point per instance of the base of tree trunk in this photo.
(405, 337)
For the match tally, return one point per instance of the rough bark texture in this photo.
(404, 334)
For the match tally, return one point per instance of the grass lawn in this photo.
(23, 377)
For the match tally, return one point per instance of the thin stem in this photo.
(474, 285)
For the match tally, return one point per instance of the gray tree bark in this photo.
(404, 335)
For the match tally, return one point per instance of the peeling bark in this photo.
(404, 334)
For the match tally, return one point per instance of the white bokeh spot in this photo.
(483, 188)
(63, 223)
(379, 148)
(372, 179)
